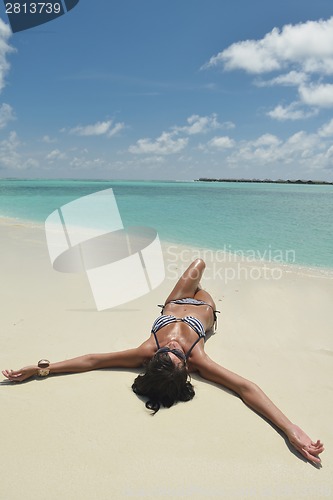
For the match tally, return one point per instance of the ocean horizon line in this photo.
(200, 179)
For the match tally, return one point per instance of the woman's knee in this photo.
(200, 262)
(196, 270)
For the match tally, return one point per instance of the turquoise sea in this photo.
(290, 223)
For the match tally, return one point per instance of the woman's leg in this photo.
(188, 283)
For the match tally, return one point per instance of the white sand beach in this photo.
(88, 436)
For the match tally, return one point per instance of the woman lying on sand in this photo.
(175, 349)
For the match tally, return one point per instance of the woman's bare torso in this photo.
(181, 332)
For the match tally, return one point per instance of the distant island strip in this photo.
(267, 181)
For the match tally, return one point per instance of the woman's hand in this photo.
(304, 444)
(20, 375)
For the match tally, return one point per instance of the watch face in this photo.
(43, 372)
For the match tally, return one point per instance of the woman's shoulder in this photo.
(197, 359)
(147, 349)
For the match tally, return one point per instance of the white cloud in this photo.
(151, 160)
(326, 130)
(266, 140)
(82, 162)
(291, 112)
(163, 145)
(302, 53)
(6, 114)
(302, 152)
(99, 128)
(11, 158)
(308, 46)
(320, 95)
(249, 55)
(117, 128)
(5, 49)
(170, 142)
(54, 155)
(291, 79)
(202, 124)
(48, 139)
(222, 142)
(30, 163)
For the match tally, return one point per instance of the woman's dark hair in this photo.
(163, 383)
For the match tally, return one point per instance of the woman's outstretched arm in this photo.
(131, 358)
(256, 399)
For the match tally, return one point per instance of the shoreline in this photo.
(221, 256)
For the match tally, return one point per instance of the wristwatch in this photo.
(43, 368)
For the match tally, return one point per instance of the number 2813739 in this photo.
(33, 8)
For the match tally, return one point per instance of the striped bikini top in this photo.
(167, 319)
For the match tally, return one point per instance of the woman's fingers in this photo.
(311, 452)
(11, 374)
(310, 457)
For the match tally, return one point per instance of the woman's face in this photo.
(173, 344)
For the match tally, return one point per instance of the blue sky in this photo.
(170, 90)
